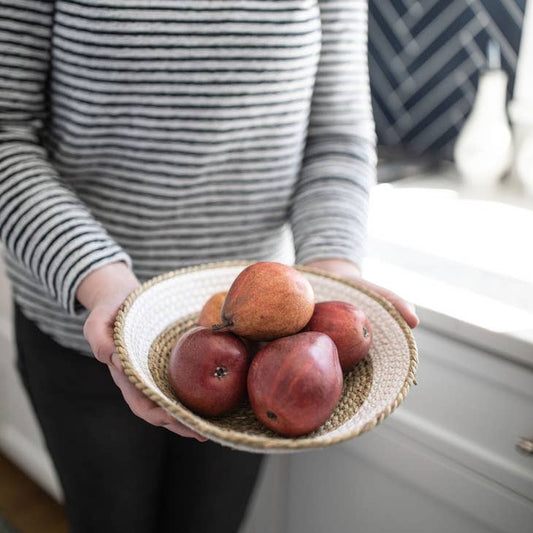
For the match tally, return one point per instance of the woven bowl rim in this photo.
(255, 442)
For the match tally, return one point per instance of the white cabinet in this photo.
(20, 436)
(444, 462)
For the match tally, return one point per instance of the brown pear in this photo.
(295, 383)
(267, 300)
(211, 314)
(211, 311)
(347, 325)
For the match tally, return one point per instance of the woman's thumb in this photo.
(98, 330)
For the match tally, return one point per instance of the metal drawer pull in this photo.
(525, 445)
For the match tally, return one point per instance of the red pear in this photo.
(254, 346)
(208, 371)
(295, 383)
(268, 300)
(211, 311)
(347, 325)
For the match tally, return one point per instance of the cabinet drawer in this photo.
(471, 406)
(384, 482)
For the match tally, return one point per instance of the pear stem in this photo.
(225, 324)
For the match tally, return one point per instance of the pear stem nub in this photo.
(225, 324)
(220, 372)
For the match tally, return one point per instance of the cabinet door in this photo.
(472, 407)
(20, 436)
(384, 482)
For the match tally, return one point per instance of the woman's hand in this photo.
(348, 270)
(102, 293)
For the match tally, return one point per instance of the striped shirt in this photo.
(166, 133)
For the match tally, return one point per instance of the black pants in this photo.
(120, 474)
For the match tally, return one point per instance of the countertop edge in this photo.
(502, 344)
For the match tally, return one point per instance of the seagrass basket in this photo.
(154, 316)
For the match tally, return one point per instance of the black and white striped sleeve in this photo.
(43, 224)
(330, 207)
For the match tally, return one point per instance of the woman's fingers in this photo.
(405, 308)
(184, 431)
(351, 271)
(98, 330)
(102, 292)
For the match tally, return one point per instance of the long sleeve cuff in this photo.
(46, 228)
(330, 211)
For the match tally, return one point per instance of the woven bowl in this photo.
(154, 316)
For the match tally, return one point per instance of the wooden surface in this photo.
(26, 506)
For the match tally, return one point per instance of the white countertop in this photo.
(463, 256)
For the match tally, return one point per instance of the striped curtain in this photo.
(425, 58)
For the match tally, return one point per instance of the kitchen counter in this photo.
(463, 256)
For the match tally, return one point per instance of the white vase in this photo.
(524, 162)
(521, 107)
(483, 150)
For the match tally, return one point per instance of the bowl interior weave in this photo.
(356, 387)
(153, 317)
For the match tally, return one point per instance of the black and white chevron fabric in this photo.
(425, 58)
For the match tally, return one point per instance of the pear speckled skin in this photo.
(211, 311)
(295, 383)
(268, 300)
